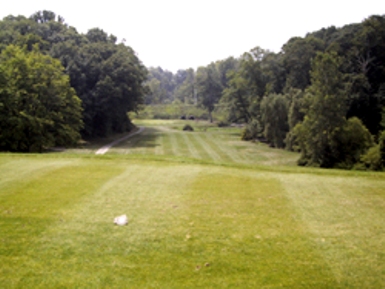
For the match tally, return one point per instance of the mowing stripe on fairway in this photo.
(190, 225)
(341, 214)
(87, 249)
(18, 169)
(174, 143)
(223, 143)
(180, 146)
(212, 140)
(252, 232)
(191, 148)
(167, 144)
(159, 143)
(213, 155)
(33, 206)
(193, 140)
(212, 144)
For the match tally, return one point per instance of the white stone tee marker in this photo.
(121, 220)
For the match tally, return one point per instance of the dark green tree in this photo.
(185, 91)
(325, 137)
(38, 108)
(245, 90)
(209, 88)
(297, 56)
(274, 109)
(296, 115)
(326, 115)
(161, 88)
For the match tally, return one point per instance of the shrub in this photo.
(353, 142)
(371, 160)
(222, 124)
(188, 127)
(274, 110)
(251, 131)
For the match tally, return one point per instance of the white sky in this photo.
(182, 34)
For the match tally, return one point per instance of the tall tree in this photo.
(246, 88)
(274, 108)
(38, 108)
(325, 133)
(209, 87)
(185, 91)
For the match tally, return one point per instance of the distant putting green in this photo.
(196, 220)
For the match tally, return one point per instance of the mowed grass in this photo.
(191, 225)
(208, 142)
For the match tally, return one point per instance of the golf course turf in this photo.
(204, 209)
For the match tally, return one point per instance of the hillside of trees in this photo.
(57, 85)
(322, 95)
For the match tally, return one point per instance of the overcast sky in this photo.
(182, 34)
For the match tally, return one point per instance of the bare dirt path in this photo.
(105, 148)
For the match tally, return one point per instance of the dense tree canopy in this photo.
(107, 76)
(38, 107)
(209, 87)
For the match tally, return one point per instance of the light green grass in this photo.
(191, 225)
(207, 142)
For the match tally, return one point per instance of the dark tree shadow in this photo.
(146, 139)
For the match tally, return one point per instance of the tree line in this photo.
(57, 85)
(322, 95)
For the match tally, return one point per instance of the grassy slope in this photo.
(253, 227)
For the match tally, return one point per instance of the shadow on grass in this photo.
(146, 139)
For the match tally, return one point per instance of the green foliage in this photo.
(274, 110)
(109, 80)
(374, 158)
(209, 87)
(248, 85)
(317, 135)
(298, 53)
(38, 108)
(161, 86)
(296, 115)
(108, 77)
(237, 99)
(225, 68)
(175, 111)
(353, 142)
(185, 89)
(252, 131)
(371, 160)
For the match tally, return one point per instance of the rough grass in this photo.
(191, 225)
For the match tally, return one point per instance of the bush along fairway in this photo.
(199, 216)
